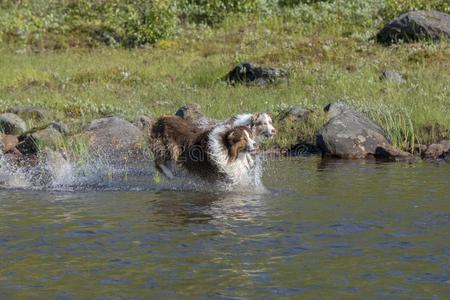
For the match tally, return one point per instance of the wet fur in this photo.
(212, 154)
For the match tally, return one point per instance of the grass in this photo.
(325, 63)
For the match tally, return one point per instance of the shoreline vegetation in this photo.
(83, 68)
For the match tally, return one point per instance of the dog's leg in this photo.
(166, 171)
(250, 161)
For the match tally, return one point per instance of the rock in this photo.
(12, 124)
(437, 151)
(350, 134)
(114, 137)
(8, 143)
(419, 149)
(389, 153)
(32, 142)
(192, 113)
(414, 26)
(60, 126)
(143, 122)
(295, 113)
(29, 112)
(302, 149)
(392, 76)
(250, 73)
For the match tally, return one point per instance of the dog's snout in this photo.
(252, 146)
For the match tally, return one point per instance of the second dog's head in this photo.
(262, 126)
(238, 140)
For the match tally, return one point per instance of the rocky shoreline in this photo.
(347, 134)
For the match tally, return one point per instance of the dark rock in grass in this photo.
(303, 149)
(192, 113)
(250, 73)
(12, 124)
(32, 142)
(392, 76)
(351, 134)
(437, 151)
(29, 112)
(113, 137)
(414, 26)
(295, 113)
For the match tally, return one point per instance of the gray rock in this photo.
(392, 76)
(437, 151)
(12, 124)
(350, 134)
(143, 122)
(114, 137)
(192, 113)
(29, 112)
(33, 142)
(389, 153)
(60, 126)
(250, 73)
(295, 113)
(414, 26)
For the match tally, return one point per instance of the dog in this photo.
(223, 152)
(260, 124)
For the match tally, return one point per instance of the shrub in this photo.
(212, 12)
(128, 22)
(394, 8)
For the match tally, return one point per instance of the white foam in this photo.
(53, 172)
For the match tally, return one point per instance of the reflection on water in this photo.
(328, 229)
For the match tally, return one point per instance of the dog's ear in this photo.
(255, 117)
(234, 151)
(231, 136)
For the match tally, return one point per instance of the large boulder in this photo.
(113, 137)
(414, 26)
(351, 134)
(250, 73)
(29, 112)
(12, 124)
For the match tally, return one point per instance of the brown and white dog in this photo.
(259, 123)
(222, 152)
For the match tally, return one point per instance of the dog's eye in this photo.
(258, 123)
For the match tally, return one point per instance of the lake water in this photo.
(322, 230)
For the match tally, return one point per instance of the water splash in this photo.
(53, 171)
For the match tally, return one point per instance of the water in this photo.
(323, 230)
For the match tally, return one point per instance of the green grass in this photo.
(326, 64)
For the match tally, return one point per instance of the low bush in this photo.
(394, 8)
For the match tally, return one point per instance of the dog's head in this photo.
(262, 126)
(240, 139)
